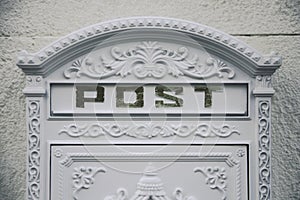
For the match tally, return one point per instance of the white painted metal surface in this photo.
(181, 99)
(148, 108)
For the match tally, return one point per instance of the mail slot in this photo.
(148, 108)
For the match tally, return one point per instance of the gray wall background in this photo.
(264, 24)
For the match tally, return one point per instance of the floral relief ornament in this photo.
(83, 178)
(144, 131)
(149, 59)
(215, 178)
(58, 153)
(240, 152)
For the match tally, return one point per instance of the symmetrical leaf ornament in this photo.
(149, 187)
(201, 130)
(144, 131)
(215, 178)
(94, 130)
(149, 59)
(83, 178)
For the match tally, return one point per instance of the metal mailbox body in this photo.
(148, 108)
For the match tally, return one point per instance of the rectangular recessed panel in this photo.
(149, 99)
(114, 172)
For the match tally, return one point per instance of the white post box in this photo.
(148, 108)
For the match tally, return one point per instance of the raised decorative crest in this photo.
(149, 59)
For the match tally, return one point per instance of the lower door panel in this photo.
(142, 172)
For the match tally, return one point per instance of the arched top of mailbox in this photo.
(52, 56)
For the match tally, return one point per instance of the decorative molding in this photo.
(178, 195)
(201, 130)
(33, 170)
(83, 178)
(58, 153)
(238, 181)
(263, 86)
(149, 186)
(226, 157)
(263, 81)
(149, 59)
(60, 182)
(215, 178)
(25, 59)
(120, 195)
(34, 86)
(34, 81)
(94, 130)
(143, 131)
(240, 152)
(264, 149)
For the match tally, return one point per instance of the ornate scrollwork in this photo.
(149, 186)
(264, 149)
(149, 131)
(178, 195)
(120, 195)
(94, 130)
(240, 152)
(215, 178)
(83, 178)
(226, 157)
(34, 149)
(263, 81)
(201, 130)
(149, 59)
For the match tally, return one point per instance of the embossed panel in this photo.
(149, 172)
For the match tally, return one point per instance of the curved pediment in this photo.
(175, 61)
(148, 59)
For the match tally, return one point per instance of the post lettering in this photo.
(120, 101)
(160, 92)
(81, 99)
(207, 93)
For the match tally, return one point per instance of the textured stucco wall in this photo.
(264, 24)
